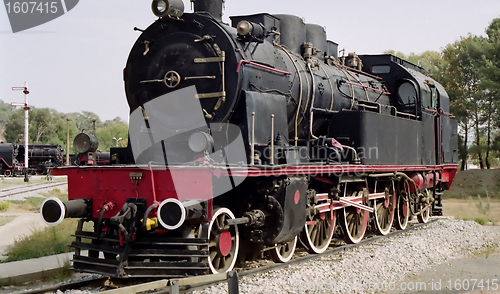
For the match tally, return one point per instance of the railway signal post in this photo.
(26, 109)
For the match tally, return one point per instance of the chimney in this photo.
(213, 7)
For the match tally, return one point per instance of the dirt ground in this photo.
(468, 208)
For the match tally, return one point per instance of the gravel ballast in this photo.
(373, 267)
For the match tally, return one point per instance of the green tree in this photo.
(488, 64)
(490, 67)
(5, 112)
(14, 127)
(45, 126)
(461, 80)
(83, 121)
(112, 135)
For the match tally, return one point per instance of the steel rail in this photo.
(31, 188)
(69, 286)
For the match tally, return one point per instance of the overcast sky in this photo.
(75, 62)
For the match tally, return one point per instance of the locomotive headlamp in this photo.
(84, 143)
(201, 141)
(244, 28)
(250, 29)
(168, 8)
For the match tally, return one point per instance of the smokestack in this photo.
(213, 7)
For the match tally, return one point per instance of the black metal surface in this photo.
(378, 139)
(293, 200)
(450, 140)
(270, 22)
(145, 257)
(316, 35)
(40, 157)
(173, 47)
(212, 7)
(264, 105)
(332, 49)
(428, 144)
(293, 32)
(8, 154)
(265, 75)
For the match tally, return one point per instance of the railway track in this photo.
(28, 188)
(173, 286)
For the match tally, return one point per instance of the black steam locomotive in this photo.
(245, 138)
(41, 157)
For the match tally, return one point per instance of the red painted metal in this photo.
(355, 204)
(225, 243)
(3, 160)
(243, 61)
(104, 184)
(113, 184)
(419, 181)
(325, 180)
(296, 197)
(430, 179)
(322, 196)
(350, 201)
(333, 170)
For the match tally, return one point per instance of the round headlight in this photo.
(201, 141)
(161, 6)
(244, 28)
(85, 143)
(168, 8)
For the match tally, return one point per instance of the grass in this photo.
(473, 209)
(64, 272)
(6, 219)
(482, 220)
(56, 192)
(29, 204)
(45, 242)
(6, 182)
(34, 203)
(475, 182)
(4, 205)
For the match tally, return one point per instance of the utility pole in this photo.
(67, 142)
(26, 109)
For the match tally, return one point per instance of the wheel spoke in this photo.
(317, 237)
(314, 233)
(213, 254)
(353, 224)
(283, 252)
(216, 262)
(218, 242)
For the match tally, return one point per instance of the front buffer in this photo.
(143, 219)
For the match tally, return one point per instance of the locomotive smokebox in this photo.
(213, 7)
(53, 210)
